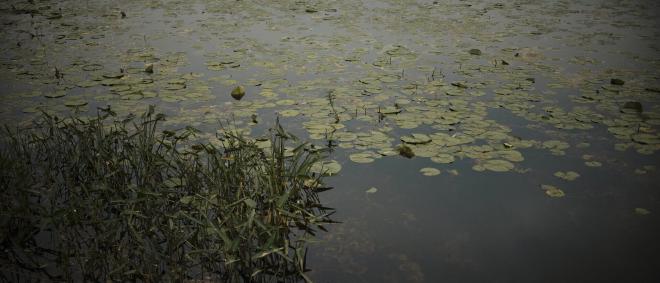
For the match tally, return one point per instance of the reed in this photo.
(106, 199)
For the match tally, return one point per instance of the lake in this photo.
(471, 141)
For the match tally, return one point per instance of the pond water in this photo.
(541, 117)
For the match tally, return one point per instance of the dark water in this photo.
(488, 227)
(465, 226)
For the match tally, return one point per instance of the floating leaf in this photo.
(497, 165)
(646, 138)
(328, 168)
(390, 110)
(416, 139)
(429, 171)
(371, 190)
(56, 94)
(552, 191)
(641, 211)
(593, 163)
(568, 176)
(75, 102)
(289, 113)
(443, 158)
(365, 157)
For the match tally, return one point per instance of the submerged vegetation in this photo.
(107, 199)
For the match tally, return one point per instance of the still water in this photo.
(542, 118)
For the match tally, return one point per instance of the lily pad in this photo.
(56, 94)
(429, 171)
(552, 191)
(75, 102)
(641, 211)
(289, 113)
(390, 110)
(498, 165)
(593, 163)
(364, 157)
(327, 168)
(443, 158)
(371, 190)
(568, 176)
(416, 139)
(646, 138)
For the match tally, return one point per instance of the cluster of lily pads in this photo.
(372, 86)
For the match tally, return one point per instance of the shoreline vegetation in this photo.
(106, 199)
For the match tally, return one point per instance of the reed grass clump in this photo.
(105, 199)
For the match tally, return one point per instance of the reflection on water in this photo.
(513, 92)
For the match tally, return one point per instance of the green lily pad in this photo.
(390, 110)
(289, 113)
(131, 97)
(641, 211)
(264, 144)
(364, 157)
(388, 78)
(497, 165)
(429, 171)
(388, 152)
(56, 94)
(511, 155)
(285, 102)
(416, 139)
(327, 168)
(593, 163)
(552, 191)
(75, 102)
(646, 138)
(149, 94)
(443, 158)
(555, 144)
(568, 176)
(345, 136)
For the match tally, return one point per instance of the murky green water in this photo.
(508, 100)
